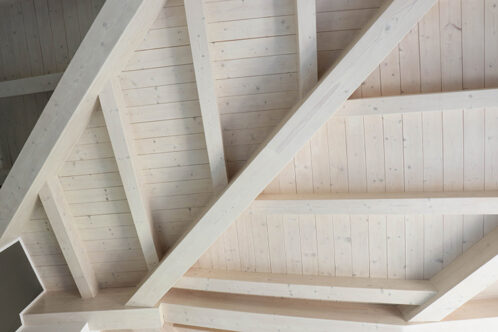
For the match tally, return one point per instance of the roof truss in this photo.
(433, 300)
(394, 21)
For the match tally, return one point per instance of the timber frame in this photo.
(179, 293)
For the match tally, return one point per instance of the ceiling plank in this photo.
(468, 275)
(29, 85)
(122, 144)
(115, 33)
(394, 20)
(379, 203)
(64, 227)
(442, 101)
(324, 288)
(197, 30)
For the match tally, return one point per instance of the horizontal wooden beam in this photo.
(185, 310)
(112, 38)
(379, 203)
(69, 327)
(29, 85)
(256, 313)
(107, 311)
(441, 101)
(309, 287)
(393, 22)
(468, 275)
(65, 230)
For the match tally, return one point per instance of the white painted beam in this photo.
(324, 288)
(468, 275)
(29, 85)
(122, 145)
(307, 45)
(64, 228)
(254, 313)
(104, 312)
(441, 101)
(393, 22)
(118, 29)
(70, 327)
(197, 30)
(379, 203)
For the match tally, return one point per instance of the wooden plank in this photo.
(122, 145)
(104, 312)
(456, 203)
(468, 99)
(308, 76)
(68, 111)
(73, 248)
(468, 275)
(241, 312)
(70, 327)
(197, 28)
(30, 85)
(307, 49)
(323, 288)
(302, 122)
(256, 313)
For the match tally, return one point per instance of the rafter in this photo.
(379, 203)
(29, 85)
(197, 28)
(309, 287)
(468, 275)
(442, 101)
(117, 30)
(64, 227)
(122, 145)
(395, 19)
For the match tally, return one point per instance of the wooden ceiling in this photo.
(172, 117)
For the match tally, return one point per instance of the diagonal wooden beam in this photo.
(64, 227)
(197, 30)
(468, 275)
(379, 203)
(394, 20)
(425, 102)
(29, 85)
(122, 145)
(325, 288)
(115, 33)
